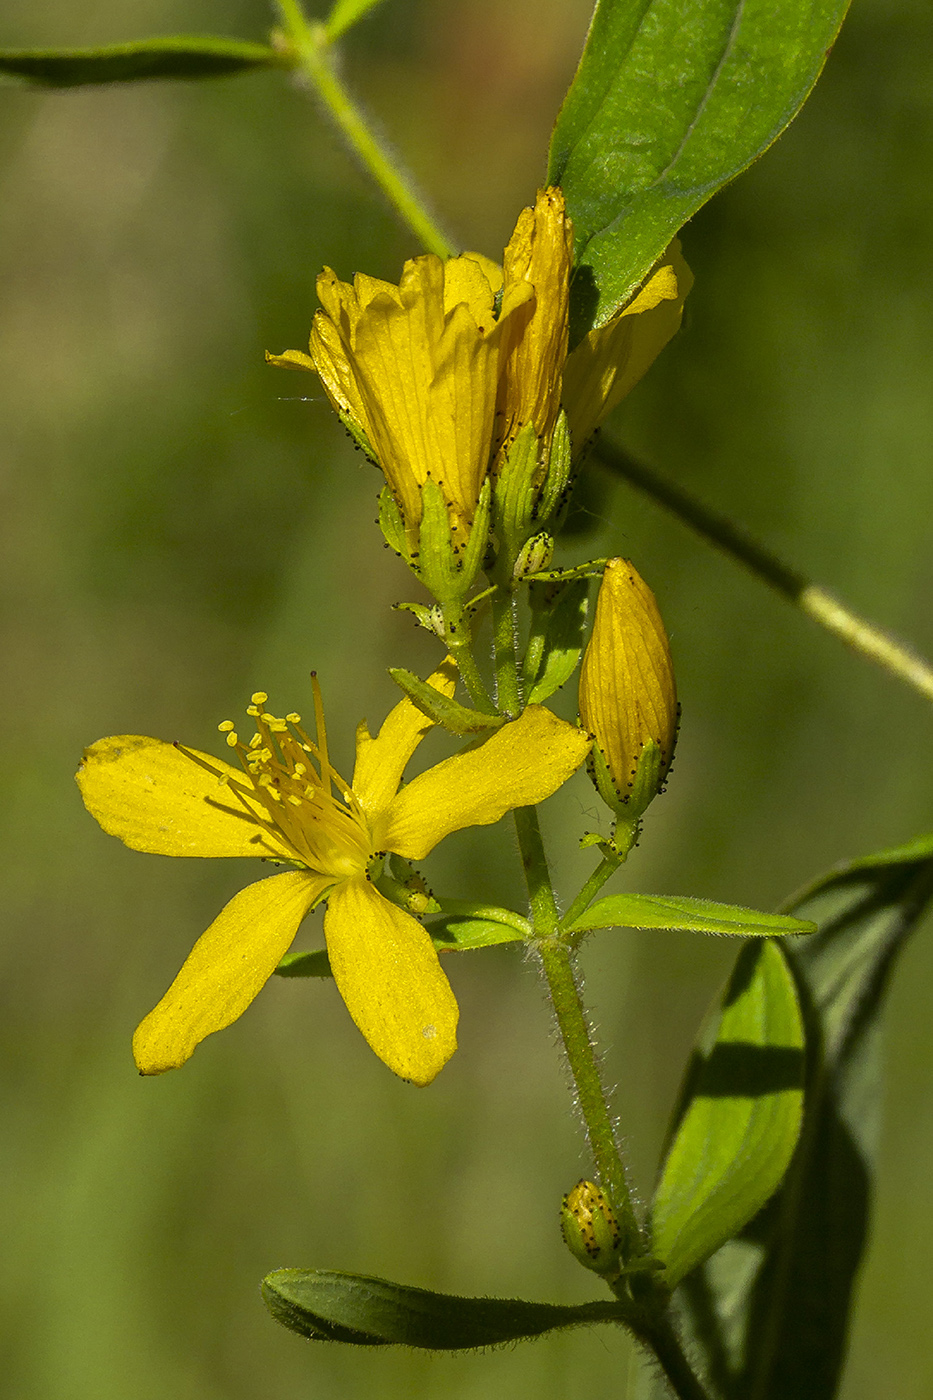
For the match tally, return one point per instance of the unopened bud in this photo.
(590, 1229)
(628, 699)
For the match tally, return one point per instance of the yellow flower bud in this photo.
(628, 699)
(590, 1229)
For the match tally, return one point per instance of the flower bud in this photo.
(628, 699)
(590, 1229)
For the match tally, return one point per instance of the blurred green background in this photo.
(183, 525)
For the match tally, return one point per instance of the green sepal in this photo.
(555, 492)
(176, 56)
(312, 964)
(357, 433)
(681, 912)
(430, 618)
(440, 708)
(535, 554)
(558, 620)
(515, 497)
(335, 1307)
(739, 1118)
(446, 569)
(392, 524)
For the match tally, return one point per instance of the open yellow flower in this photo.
(288, 803)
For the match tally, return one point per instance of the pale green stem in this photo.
(857, 632)
(310, 44)
(607, 867)
(462, 652)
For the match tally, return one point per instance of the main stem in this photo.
(571, 1021)
(857, 632)
(313, 50)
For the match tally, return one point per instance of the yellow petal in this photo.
(380, 762)
(157, 799)
(226, 968)
(522, 763)
(465, 281)
(540, 252)
(290, 359)
(329, 357)
(608, 363)
(387, 971)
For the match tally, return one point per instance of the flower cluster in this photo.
(437, 377)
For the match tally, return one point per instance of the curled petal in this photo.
(226, 968)
(522, 763)
(160, 799)
(387, 971)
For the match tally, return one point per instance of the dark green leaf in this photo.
(440, 708)
(179, 56)
(672, 99)
(770, 1311)
(558, 618)
(332, 1307)
(740, 1118)
(681, 912)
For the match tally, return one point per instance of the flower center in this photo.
(302, 799)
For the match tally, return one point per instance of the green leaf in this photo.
(345, 14)
(741, 1116)
(672, 99)
(314, 964)
(769, 1312)
(440, 708)
(464, 925)
(558, 619)
(178, 56)
(677, 912)
(334, 1307)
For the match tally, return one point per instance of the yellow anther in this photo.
(253, 711)
(225, 726)
(295, 801)
(233, 738)
(255, 741)
(300, 769)
(293, 718)
(259, 697)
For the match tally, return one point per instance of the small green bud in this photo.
(534, 556)
(590, 1229)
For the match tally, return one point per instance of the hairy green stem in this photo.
(505, 651)
(664, 1342)
(857, 632)
(314, 52)
(462, 652)
(571, 1021)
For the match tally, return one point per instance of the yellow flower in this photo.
(608, 363)
(420, 371)
(628, 699)
(288, 803)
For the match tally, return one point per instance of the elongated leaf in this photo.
(333, 1307)
(681, 912)
(345, 14)
(672, 99)
(742, 1115)
(558, 618)
(440, 708)
(769, 1312)
(177, 56)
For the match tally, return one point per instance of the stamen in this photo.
(259, 697)
(225, 726)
